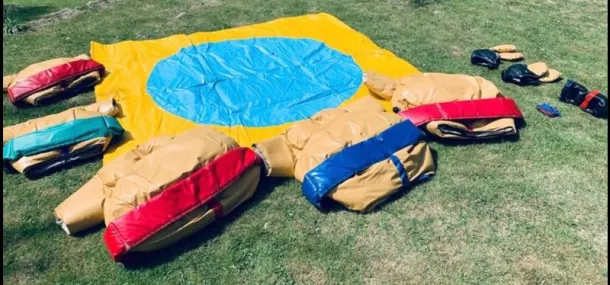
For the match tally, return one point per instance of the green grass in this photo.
(527, 212)
(31, 9)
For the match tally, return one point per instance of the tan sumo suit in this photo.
(451, 106)
(45, 80)
(304, 148)
(47, 129)
(163, 191)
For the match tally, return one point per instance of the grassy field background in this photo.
(532, 211)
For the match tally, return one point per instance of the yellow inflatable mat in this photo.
(249, 82)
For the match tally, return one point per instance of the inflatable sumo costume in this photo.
(163, 191)
(40, 145)
(45, 80)
(491, 57)
(449, 106)
(531, 74)
(507, 52)
(357, 155)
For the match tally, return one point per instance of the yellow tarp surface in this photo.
(130, 63)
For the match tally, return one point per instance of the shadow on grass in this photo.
(15, 236)
(136, 261)
(22, 14)
(423, 3)
(89, 231)
(12, 235)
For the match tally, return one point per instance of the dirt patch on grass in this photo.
(523, 213)
(598, 239)
(51, 192)
(404, 270)
(20, 278)
(531, 262)
(535, 271)
(67, 13)
(307, 274)
(428, 211)
(456, 51)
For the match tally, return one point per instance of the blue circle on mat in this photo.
(254, 82)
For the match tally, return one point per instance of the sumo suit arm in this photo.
(84, 208)
(107, 108)
(281, 153)
(429, 88)
(380, 85)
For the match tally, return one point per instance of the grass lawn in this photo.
(532, 211)
(27, 10)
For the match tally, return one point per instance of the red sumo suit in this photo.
(45, 80)
(162, 191)
(452, 106)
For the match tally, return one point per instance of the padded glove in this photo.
(532, 74)
(592, 102)
(485, 57)
(519, 74)
(504, 48)
(507, 52)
